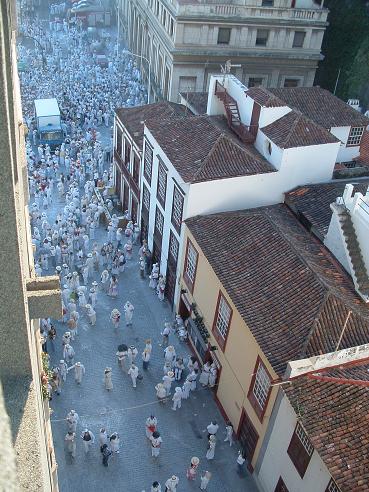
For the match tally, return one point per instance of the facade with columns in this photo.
(277, 43)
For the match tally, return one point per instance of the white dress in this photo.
(211, 451)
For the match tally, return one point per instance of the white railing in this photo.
(214, 10)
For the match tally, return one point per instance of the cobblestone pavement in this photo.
(125, 409)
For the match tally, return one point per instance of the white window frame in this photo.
(191, 262)
(303, 438)
(261, 386)
(355, 136)
(224, 314)
(159, 224)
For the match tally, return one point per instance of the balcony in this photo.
(217, 9)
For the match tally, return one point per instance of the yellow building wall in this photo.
(241, 350)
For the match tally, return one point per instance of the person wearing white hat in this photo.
(68, 353)
(167, 382)
(128, 312)
(128, 249)
(79, 371)
(186, 388)
(160, 289)
(72, 420)
(88, 439)
(90, 264)
(192, 469)
(93, 297)
(161, 392)
(107, 378)
(133, 372)
(170, 354)
(156, 441)
(211, 447)
(91, 314)
(66, 338)
(82, 298)
(75, 281)
(177, 398)
(171, 484)
(70, 442)
(63, 370)
(103, 437)
(136, 233)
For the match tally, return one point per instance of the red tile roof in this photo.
(295, 130)
(282, 281)
(320, 105)
(311, 203)
(201, 151)
(197, 101)
(336, 418)
(264, 97)
(133, 118)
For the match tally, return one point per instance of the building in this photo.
(128, 143)
(258, 291)
(277, 43)
(25, 298)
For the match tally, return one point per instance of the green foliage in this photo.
(346, 37)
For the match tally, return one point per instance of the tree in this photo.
(348, 29)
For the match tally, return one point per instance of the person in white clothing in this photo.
(211, 447)
(151, 425)
(103, 437)
(88, 439)
(132, 354)
(115, 318)
(128, 312)
(91, 314)
(177, 398)
(205, 479)
(204, 376)
(155, 487)
(170, 354)
(72, 420)
(79, 371)
(167, 382)
(68, 353)
(63, 370)
(212, 428)
(133, 372)
(114, 443)
(171, 484)
(107, 378)
(156, 441)
(229, 433)
(186, 388)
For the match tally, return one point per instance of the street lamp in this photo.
(149, 64)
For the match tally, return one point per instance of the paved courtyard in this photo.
(125, 409)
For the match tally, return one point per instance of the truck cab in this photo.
(48, 122)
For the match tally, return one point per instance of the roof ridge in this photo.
(293, 126)
(206, 160)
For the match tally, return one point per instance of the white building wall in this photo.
(335, 242)
(269, 115)
(172, 176)
(345, 154)
(276, 462)
(261, 144)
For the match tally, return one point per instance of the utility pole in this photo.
(338, 76)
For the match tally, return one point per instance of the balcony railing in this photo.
(243, 11)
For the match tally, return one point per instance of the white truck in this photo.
(48, 122)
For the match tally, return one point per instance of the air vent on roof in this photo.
(142, 122)
(136, 134)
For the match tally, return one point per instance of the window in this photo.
(267, 3)
(298, 39)
(177, 209)
(255, 82)
(148, 162)
(159, 221)
(260, 389)
(224, 35)
(136, 169)
(171, 27)
(281, 486)
(262, 37)
(268, 147)
(173, 246)
(355, 135)
(332, 487)
(291, 82)
(119, 141)
(190, 266)
(187, 84)
(162, 183)
(127, 153)
(146, 198)
(300, 450)
(222, 320)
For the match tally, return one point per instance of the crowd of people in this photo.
(78, 235)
